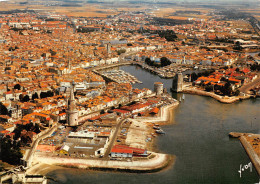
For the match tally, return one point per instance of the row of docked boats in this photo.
(158, 129)
(182, 98)
(120, 76)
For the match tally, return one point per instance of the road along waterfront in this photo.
(198, 136)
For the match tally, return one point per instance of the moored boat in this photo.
(160, 131)
(156, 127)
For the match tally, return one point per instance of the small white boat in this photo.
(160, 131)
(156, 127)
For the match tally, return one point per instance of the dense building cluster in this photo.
(48, 70)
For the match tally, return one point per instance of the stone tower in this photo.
(72, 112)
(177, 83)
(184, 60)
(108, 46)
(158, 88)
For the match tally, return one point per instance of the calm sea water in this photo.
(199, 139)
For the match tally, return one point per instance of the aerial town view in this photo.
(113, 91)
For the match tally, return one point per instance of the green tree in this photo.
(148, 61)
(17, 86)
(209, 88)
(7, 68)
(194, 76)
(121, 51)
(34, 96)
(10, 151)
(238, 47)
(3, 109)
(226, 89)
(53, 53)
(255, 67)
(169, 35)
(237, 92)
(21, 97)
(37, 128)
(50, 93)
(26, 98)
(165, 61)
(43, 95)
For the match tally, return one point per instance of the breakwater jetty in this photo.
(251, 153)
(249, 146)
(154, 162)
(222, 99)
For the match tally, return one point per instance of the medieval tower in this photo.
(177, 83)
(108, 47)
(158, 88)
(72, 112)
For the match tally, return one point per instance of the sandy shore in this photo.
(142, 128)
(219, 98)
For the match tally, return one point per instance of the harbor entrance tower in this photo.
(177, 83)
(158, 88)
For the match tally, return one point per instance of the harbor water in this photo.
(198, 137)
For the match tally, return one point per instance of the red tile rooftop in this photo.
(120, 150)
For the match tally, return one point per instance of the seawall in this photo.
(156, 163)
(219, 98)
(163, 116)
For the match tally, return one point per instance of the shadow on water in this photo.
(198, 137)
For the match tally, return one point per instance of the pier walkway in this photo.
(251, 153)
(155, 162)
(112, 141)
(248, 147)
